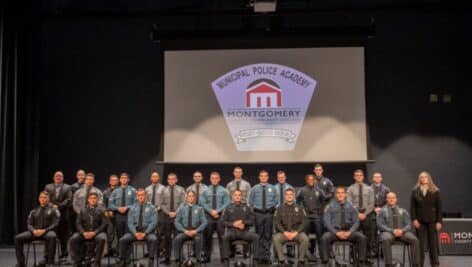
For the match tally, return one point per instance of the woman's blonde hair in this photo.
(431, 186)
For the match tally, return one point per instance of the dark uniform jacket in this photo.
(426, 209)
(91, 220)
(311, 198)
(46, 218)
(237, 211)
(289, 217)
(63, 199)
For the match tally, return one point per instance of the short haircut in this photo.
(280, 172)
(154, 172)
(125, 174)
(113, 175)
(215, 173)
(237, 168)
(317, 165)
(237, 190)
(90, 174)
(140, 190)
(92, 194)
(340, 187)
(198, 171)
(290, 189)
(44, 193)
(309, 175)
(171, 174)
(191, 192)
(358, 171)
(263, 171)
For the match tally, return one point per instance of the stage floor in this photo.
(7, 259)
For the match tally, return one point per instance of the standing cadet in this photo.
(42, 221)
(113, 183)
(311, 198)
(342, 221)
(80, 196)
(214, 200)
(264, 198)
(80, 179)
(238, 183)
(142, 221)
(190, 222)
(323, 183)
(426, 213)
(289, 221)
(380, 199)
(237, 218)
(362, 198)
(172, 197)
(154, 193)
(60, 196)
(395, 224)
(198, 187)
(91, 225)
(121, 200)
(282, 185)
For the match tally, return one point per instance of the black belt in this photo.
(270, 210)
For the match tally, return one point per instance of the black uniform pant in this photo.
(369, 229)
(427, 233)
(234, 234)
(121, 224)
(77, 246)
(63, 230)
(128, 239)
(357, 238)
(314, 226)
(213, 225)
(111, 233)
(168, 230)
(179, 240)
(264, 229)
(25, 237)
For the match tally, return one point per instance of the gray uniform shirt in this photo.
(367, 197)
(158, 198)
(80, 198)
(179, 198)
(244, 187)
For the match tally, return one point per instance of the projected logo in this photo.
(264, 105)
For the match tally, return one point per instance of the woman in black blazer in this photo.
(426, 214)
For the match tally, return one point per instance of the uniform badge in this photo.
(129, 193)
(196, 211)
(146, 210)
(317, 193)
(270, 189)
(296, 209)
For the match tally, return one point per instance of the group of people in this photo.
(265, 216)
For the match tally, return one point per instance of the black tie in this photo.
(140, 219)
(343, 218)
(190, 223)
(172, 198)
(198, 192)
(123, 196)
(153, 195)
(395, 216)
(86, 196)
(237, 185)
(361, 198)
(213, 198)
(41, 218)
(281, 193)
(264, 200)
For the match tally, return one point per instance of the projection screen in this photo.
(265, 105)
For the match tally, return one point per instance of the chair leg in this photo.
(34, 255)
(27, 253)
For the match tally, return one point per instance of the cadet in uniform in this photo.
(80, 179)
(342, 221)
(214, 200)
(172, 197)
(380, 199)
(310, 197)
(91, 225)
(237, 218)
(121, 200)
(289, 221)
(362, 198)
(142, 221)
(80, 196)
(264, 198)
(198, 187)
(60, 195)
(323, 183)
(238, 183)
(190, 222)
(41, 224)
(395, 224)
(113, 183)
(282, 185)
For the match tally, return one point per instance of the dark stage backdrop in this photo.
(101, 103)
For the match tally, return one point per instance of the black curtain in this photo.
(19, 120)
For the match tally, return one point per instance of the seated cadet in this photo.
(237, 218)
(91, 225)
(190, 222)
(394, 224)
(289, 221)
(41, 222)
(142, 221)
(342, 222)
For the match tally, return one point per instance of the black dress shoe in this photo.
(165, 261)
